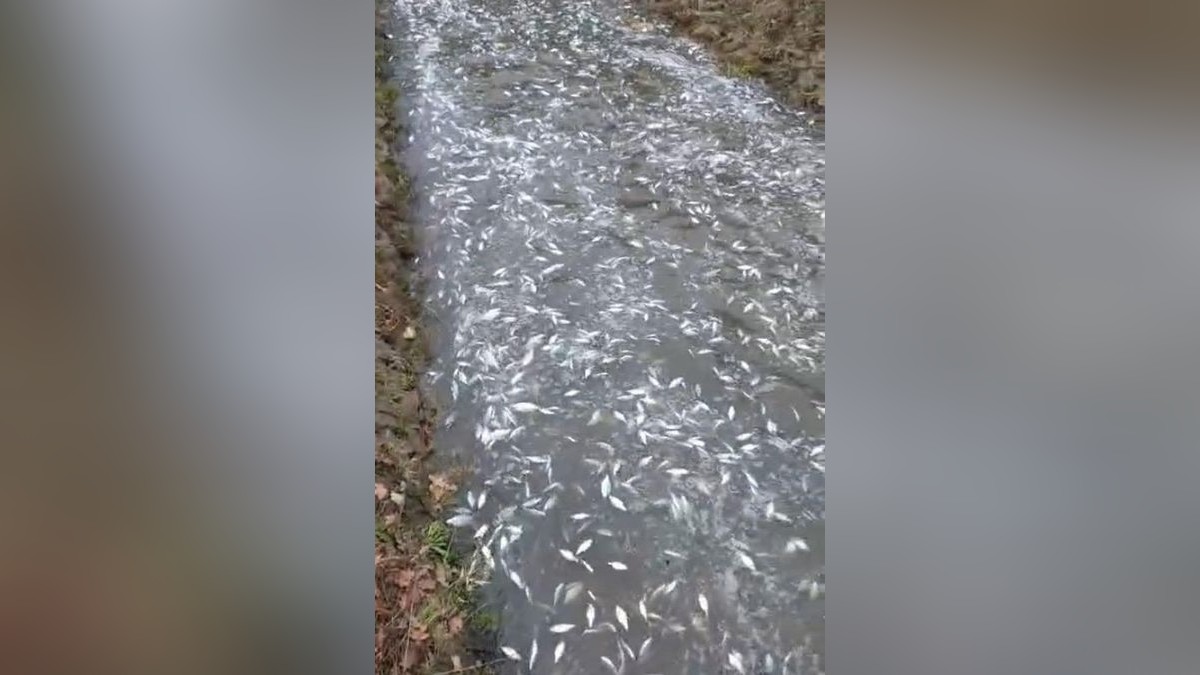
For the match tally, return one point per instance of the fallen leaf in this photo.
(441, 487)
(381, 492)
(456, 626)
(405, 578)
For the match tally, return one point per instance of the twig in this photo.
(466, 669)
(407, 632)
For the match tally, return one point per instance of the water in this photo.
(624, 258)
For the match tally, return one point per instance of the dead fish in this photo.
(622, 618)
(462, 520)
(796, 545)
(573, 592)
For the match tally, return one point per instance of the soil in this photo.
(780, 41)
(427, 617)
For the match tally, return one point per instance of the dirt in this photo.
(427, 615)
(780, 41)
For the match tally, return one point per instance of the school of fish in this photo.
(622, 253)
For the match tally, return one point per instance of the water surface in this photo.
(625, 256)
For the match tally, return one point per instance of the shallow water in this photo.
(625, 257)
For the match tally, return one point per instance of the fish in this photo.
(562, 627)
(644, 648)
(462, 520)
(573, 592)
(796, 545)
(622, 617)
(617, 565)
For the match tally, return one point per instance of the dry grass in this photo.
(426, 614)
(781, 41)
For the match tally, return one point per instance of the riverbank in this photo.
(427, 619)
(780, 41)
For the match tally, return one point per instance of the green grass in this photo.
(437, 540)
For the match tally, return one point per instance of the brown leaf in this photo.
(441, 487)
(405, 578)
(426, 583)
(456, 625)
(381, 492)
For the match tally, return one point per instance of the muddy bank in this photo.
(427, 618)
(780, 41)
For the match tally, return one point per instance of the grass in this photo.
(427, 607)
(780, 41)
(437, 541)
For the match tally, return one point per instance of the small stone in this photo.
(410, 333)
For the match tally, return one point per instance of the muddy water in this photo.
(625, 256)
